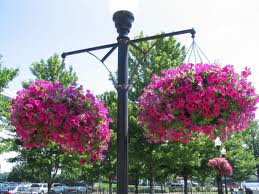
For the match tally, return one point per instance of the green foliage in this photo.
(192, 158)
(160, 54)
(52, 70)
(36, 165)
(22, 173)
(6, 75)
(108, 165)
(207, 150)
(4, 115)
(240, 156)
(251, 139)
(3, 176)
(4, 107)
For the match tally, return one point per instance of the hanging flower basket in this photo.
(221, 165)
(195, 99)
(47, 112)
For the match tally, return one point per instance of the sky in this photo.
(226, 30)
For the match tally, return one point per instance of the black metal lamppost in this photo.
(123, 21)
(219, 179)
(223, 152)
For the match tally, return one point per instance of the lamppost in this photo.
(218, 143)
(223, 152)
(123, 21)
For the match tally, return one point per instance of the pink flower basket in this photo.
(195, 99)
(46, 112)
(221, 165)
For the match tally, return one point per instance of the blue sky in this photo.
(227, 31)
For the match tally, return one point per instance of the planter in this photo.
(46, 112)
(193, 99)
(221, 165)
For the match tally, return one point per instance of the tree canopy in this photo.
(6, 76)
(52, 70)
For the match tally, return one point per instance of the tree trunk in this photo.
(257, 172)
(110, 185)
(49, 180)
(52, 176)
(161, 185)
(185, 178)
(49, 187)
(151, 185)
(219, 182)
(136, 185)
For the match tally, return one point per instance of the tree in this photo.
(191, 159)
(48, 160)
(252, 141)
(22, 173)
(3, 176)
(38, 165)
(240, 156)
(52, 70)
(159, 55)
(6, 76)
(207, 151)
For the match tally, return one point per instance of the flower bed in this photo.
(46, 112)
(195, 99)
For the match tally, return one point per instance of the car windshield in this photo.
(22, 188)
(57, 185)
(35, 185)
(11, 188)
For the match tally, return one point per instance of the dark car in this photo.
(82, 187)
(63, 190)
(248, 191)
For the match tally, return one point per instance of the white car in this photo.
(19, 189)
(39, 187)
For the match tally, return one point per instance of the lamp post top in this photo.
(123, 21)
(223, 152)
(217, 142)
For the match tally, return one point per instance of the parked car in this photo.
(11, 189)
(82, 187)
(19, 189)
(251, 185)
(58, 185)
(25, 190)
(180, 185)
(39, 187)
(6, 185)
(63, 189)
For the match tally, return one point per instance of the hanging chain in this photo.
(195, 52)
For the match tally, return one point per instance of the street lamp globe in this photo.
(217, 142)
(223, 152)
